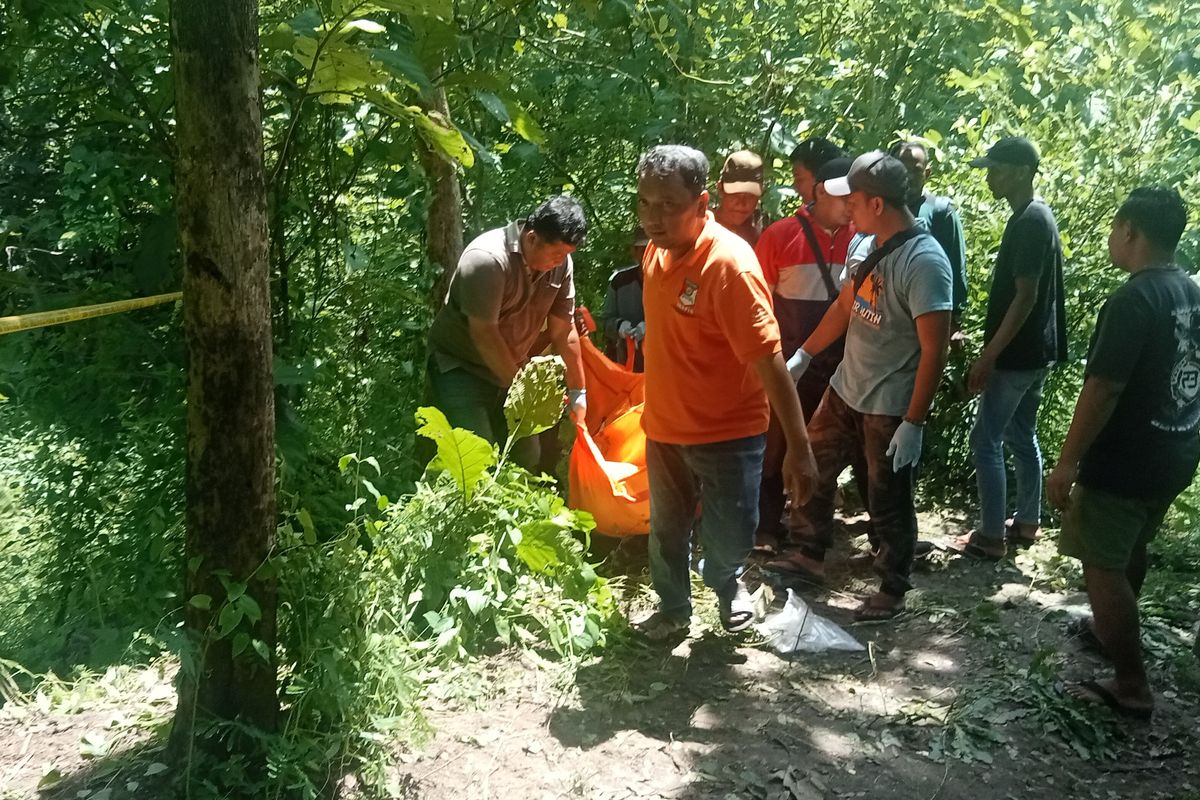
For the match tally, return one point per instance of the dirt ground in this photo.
(720, 716)
(960, 698)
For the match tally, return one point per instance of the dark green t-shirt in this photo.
(940, 218)
(1148, 338)
(1030, 248)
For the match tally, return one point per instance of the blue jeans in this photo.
(721, 479)
(1008, 415)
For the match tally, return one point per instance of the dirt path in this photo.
(721, 717)
(959, 699)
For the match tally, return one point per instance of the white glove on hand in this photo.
(639, 332)
(905, 447)
(798, 363)
(577, 403)
(625, 329)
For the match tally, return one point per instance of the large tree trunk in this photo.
(443, 227)
(222, 209)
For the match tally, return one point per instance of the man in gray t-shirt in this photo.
(510, 284)
(895, 315)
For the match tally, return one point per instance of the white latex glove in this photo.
(905, 447)
(798, 363)
(639, 332)
(577, 404)
(625, 329)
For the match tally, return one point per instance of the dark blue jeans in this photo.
(721, 479)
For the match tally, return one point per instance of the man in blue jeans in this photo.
(1024, 333)
(713, 364)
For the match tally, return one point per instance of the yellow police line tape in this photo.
(42, 319)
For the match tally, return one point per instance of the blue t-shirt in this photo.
(879, 369)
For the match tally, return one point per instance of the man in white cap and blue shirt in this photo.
(895, 316)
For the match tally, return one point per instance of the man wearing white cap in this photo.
(895, 315)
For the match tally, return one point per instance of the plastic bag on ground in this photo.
(796, 629)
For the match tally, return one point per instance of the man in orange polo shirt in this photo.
(713, 361)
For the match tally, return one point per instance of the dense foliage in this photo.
(543, 97)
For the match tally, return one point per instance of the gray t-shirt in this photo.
(879, 370)
(492, 282)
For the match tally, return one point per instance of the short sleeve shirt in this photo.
(708, 318)
(939, 216)
(789, 263)
(879, 369)
(1148, 338)
(1030, 248)
(492, 282)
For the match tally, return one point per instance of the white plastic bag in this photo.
(796, 629)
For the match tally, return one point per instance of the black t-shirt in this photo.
(1030, 248)
(1148, 338)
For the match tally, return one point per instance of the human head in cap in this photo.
(830, 212)
(876, 187)
(739, 189)
(1011, 164)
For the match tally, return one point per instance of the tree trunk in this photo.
(443, 226)
(222, 210)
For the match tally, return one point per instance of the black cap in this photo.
(875, 173)
(1015, 150)
(837, 168)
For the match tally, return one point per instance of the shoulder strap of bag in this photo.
(822, 264)
(890, 246)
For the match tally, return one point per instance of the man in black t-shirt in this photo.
(1133, 443)
(1024, 333)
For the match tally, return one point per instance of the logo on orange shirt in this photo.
(687, 298)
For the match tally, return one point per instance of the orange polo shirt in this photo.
(708, 317)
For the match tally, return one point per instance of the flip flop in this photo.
(867, 612)
(1106, 697)
(784, 565)
(972, 549)
(737, 612)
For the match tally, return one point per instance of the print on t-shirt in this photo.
(866, 302)
(687, 298)
(1183, 413)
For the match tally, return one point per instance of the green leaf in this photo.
(345, 461)
(465, 455)
(444, 137)
(203, 601)
(155, 769)
(231, 616)
(260, 647)
(540, 547)
(250, 608)
(306, 522)
(524, 124)
(535, 399)
(240, 642)
(51, 776)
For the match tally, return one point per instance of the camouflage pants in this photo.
(840, 436)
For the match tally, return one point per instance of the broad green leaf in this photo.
(465, 455)
(203, 601)
(444, 137)
(524, 124)
(535, 399)
(540, 547)
(306, 522)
